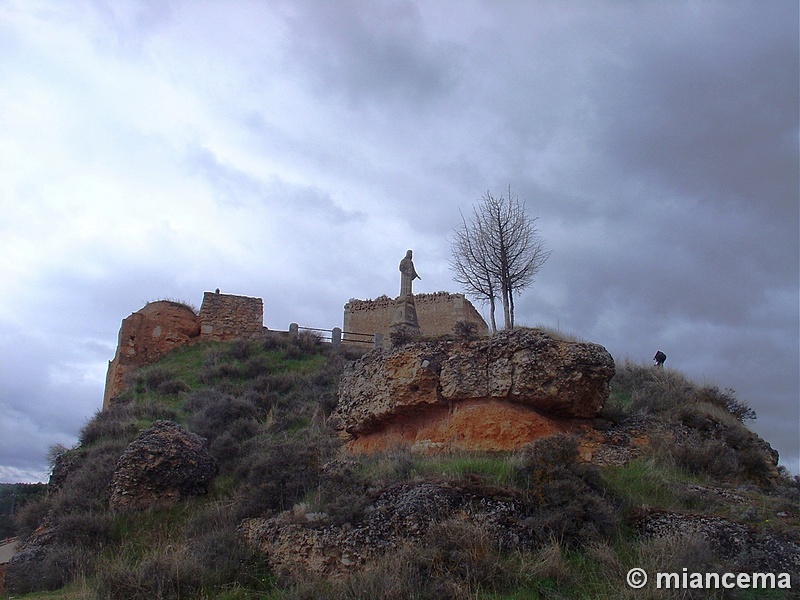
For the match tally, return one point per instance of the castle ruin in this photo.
(437, 314)
(226, 317)
(161, 326)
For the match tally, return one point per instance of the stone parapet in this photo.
(437, 314)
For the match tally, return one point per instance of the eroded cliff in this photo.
(495, 393)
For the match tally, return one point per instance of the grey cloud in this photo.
(132, 23)
(237, 188)
(712, 112)
(41, 404)
(374, 52)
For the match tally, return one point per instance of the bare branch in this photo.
(498, 252)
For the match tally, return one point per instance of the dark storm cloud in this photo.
(39, 375)
(711, 111)
(370, 53)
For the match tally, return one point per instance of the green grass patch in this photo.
(497, 469)
(136, 534)
(188, 362)
(79, 590)
(643, 482)
(305, 363)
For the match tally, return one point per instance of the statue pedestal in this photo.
(405, 313)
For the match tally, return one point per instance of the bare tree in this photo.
(497, 252)
(472, 266)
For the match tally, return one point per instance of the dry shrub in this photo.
(650, 390)
(172, 387)
(85, 488)
(390, 466)
(30, 516)
(213, 542)
(461, 557)
(663, 392)
(306, 343)
(277, 474)
(549, 563)
(465, 330)
(402, 335)
(567, 500)
(280, 383)
(152, 409)
(170, 572)
(675, 551)
(148, 379)
(607, 557)
(91, 531)
(727, 400)
(723, 452)
(456, 560)
(227, 423)
(670, 393)
(342, 493)
(710, 457)
(242, 349)
(213, 356)
(118, 422)
(212, 413)
(257, 365)
(225, 370)
(49, 568)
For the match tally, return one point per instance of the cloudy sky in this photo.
(295, 150)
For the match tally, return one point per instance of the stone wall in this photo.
(437, 313)
(225, 317)
(149, 333)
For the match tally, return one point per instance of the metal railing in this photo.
(335, 336)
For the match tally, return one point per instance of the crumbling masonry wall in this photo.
(161, 326)
(437, 313)
(226, 317)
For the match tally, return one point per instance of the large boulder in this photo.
(495, 393)
(162, 466)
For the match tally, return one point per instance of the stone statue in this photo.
(407, 274)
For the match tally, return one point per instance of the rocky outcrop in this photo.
(162, 466)
(606, 443)
(295, 544)
(496, 393)
(146, 336)
(744, 547)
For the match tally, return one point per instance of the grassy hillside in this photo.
(263, 408)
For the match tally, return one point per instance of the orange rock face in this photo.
(491, 394)
(145, 336)
(485, 425)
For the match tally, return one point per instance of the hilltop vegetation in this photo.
(13, 497)
(263, 405)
